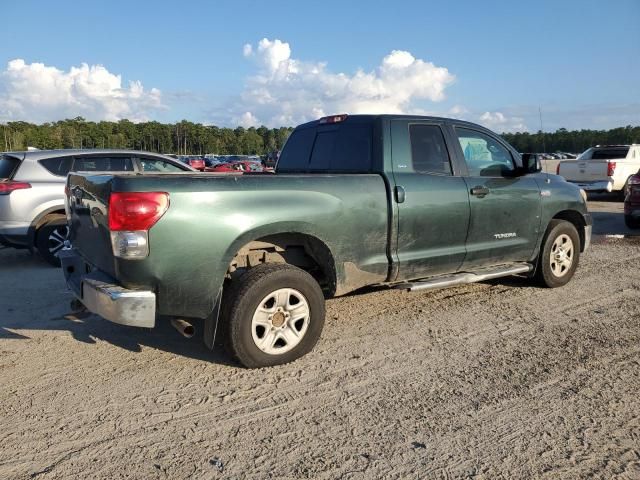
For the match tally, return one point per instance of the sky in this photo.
(281, 63)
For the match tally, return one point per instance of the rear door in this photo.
(505, 208)
(433, 204)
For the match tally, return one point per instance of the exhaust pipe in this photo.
(185, 328)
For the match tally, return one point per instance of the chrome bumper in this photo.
(97, 292)
(604, 186)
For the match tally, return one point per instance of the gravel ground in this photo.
(485, 381)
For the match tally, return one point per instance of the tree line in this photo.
(188, 138)
(185, 138)
(573, 141)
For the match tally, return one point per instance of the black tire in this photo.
(545, 275)
(242, 300)
(48, 238)
(632, 222)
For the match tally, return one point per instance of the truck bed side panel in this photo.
(211, 217)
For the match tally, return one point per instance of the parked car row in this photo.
(554, 156)
(226, 163)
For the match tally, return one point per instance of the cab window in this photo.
(428, 150)
(484, 155)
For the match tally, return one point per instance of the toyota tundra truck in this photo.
(408, 202)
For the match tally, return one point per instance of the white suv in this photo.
(32, 191)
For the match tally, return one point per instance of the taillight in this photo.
(9, 186)
(136, 210)
(131, 215)
(558, 169)
(611, 169)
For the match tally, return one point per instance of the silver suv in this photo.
(32, 191)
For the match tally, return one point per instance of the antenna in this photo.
(544, 148)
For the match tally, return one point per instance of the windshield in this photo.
(8, 166)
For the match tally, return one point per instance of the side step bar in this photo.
(466, 277)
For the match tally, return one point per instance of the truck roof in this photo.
(357, 118)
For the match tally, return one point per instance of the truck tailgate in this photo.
(87, 212)
(584, 170)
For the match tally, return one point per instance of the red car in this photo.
(632, 202)
(197, 163)
(239, 166)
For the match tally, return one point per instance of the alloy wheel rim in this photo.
(57, 239)
(561, 256)
(280, 321)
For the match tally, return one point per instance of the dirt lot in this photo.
(493, 380)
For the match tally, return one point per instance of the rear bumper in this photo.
(603, 186)
(14, 234)
(101, 295)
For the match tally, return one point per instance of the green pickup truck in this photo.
(389, 200)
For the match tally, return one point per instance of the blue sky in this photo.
(490, 62)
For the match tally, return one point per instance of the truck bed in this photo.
(349, 213)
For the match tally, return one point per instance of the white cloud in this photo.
(38, 93)
(288, 91)
(247, 119)
(500, 123)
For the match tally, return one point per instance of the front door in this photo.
(505, 207)
(433, 203)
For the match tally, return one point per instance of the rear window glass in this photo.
(8, 165)
(334, 148)
(609, 153)
(428, 150)
(58, 166)
(102, 164)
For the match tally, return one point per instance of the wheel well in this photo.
(40, 221)
(577, 220)
(301, 250)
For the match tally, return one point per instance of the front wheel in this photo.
(559, 254)
(274, 314)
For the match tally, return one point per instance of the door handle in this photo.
(480, 191)
(400, 194)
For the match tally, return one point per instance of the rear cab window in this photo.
(344, 147)
(618, 153)
(8, 166)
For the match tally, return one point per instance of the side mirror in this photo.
(531, 163)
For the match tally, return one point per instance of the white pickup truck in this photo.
(602, 168)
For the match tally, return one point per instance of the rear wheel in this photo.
(632, 222)
(273, 314)
(559, 254)
(51, 237)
